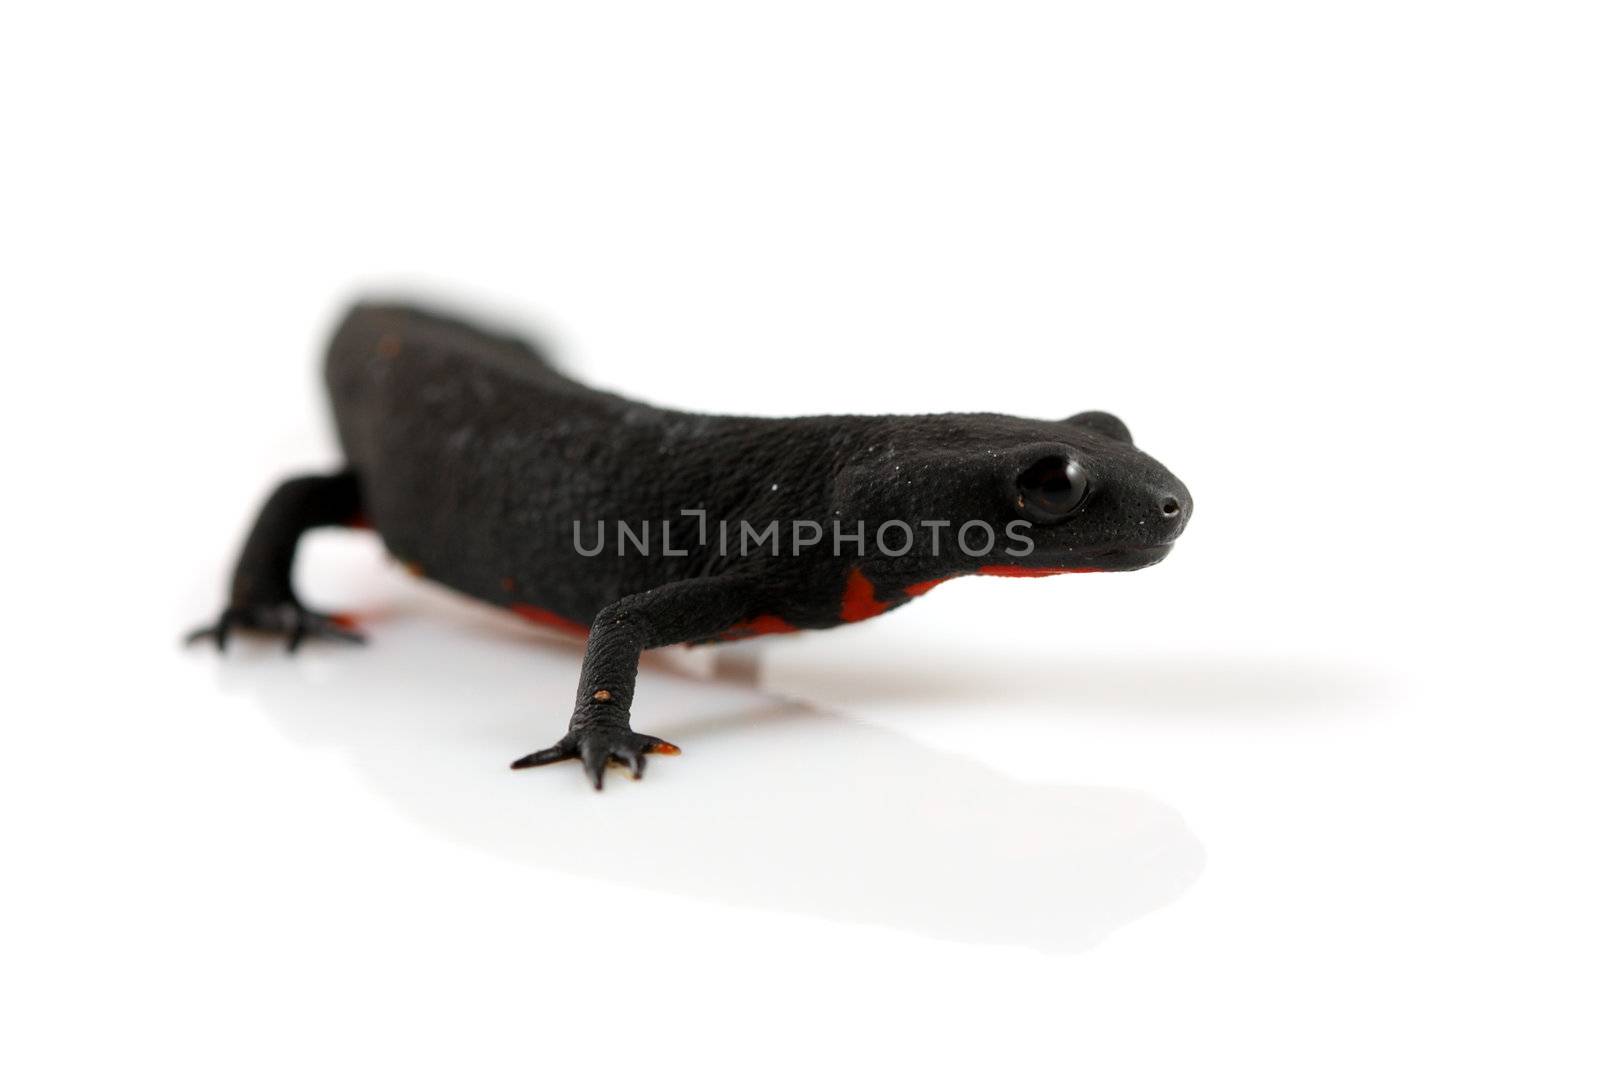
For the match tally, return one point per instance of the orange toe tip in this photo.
(665, 748)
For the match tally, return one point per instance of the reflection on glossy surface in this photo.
(774, 804)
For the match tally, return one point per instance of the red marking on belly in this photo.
(759, 626)
(768, 624)
(918, 588)
(1016, 570)
(860, 599)
(550, 618)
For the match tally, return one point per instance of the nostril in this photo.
(1170, 507)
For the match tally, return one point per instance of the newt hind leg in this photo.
(262, 598)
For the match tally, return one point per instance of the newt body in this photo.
(484, 468)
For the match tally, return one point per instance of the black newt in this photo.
(486, 469)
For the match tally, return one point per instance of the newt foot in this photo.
(297, 622)
(599, 747)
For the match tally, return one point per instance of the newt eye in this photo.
(1051, 489)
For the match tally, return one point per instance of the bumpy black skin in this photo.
(473, 458)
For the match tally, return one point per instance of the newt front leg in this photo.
(262, 597)
(600, 732)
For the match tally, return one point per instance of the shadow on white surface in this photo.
(1256, 689)
(774, 804)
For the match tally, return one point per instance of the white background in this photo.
(1318, 789)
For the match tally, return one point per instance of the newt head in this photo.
(1058, 496)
